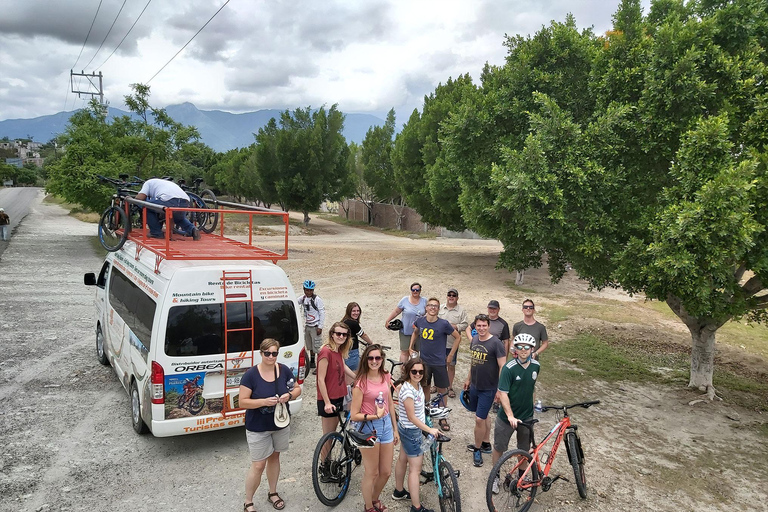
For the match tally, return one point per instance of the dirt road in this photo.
(67, 442)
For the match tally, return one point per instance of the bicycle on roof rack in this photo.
(206, 221)
(116, 221)
(517, 475)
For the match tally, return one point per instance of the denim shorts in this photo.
(481, 401)
(383, 427)
(353, 360)
(410, 440)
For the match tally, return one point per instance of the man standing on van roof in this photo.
(5, 224)
(314, 318)
(166, 193)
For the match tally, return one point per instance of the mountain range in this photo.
(220, 130)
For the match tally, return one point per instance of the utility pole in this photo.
(92, 90)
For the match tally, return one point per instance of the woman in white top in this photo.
(410, 424)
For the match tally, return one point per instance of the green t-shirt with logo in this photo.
(518, 383)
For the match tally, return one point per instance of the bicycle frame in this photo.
(436, 451)
(558, 431)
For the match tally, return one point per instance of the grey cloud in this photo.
(268, 71)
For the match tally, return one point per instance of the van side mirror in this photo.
(89, 279)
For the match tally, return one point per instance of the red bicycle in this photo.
(517, 475)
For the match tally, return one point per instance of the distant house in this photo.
(18, 162)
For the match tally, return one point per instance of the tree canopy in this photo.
(639, 157)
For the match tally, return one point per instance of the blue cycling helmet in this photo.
(464, 399)
(309, 284)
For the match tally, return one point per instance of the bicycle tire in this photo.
(197, 403)
(576, 457)
(113, 228)
(337, 473)
(509, 498)
(450, 498)
(211, 219)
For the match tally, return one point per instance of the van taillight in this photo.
(158, 383)
(302, 365)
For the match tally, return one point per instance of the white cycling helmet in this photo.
(525, 339)
(439, 413)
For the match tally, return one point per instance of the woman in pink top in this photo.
(371, 383)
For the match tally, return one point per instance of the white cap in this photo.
(2, 209)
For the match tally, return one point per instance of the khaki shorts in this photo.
(313, 342)
(263, 444)
(405, 342)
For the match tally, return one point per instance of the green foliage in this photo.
(154, 145)
(376, 157)
(303, 161)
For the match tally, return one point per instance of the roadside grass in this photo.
(589, 356)
(511, 285)
(75, 210)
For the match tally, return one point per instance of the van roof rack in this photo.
(215, 245)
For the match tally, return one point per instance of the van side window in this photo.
(135, 307)
(199, 329)
(101, 282)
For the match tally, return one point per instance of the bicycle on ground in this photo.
(332, 462)
(443, 474)
(517, 475)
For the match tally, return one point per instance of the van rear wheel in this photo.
(100, 354)
(138, 424)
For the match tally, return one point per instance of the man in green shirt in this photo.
(516, 383)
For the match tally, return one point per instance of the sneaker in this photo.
(477, 459)
(422, 508)
(486, 447)
(495, 486)
(195, 234)
(471, 448)
(401, 495)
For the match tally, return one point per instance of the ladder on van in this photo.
(236, 292)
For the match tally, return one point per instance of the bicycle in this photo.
(443, 474)
(115, 222)
(331, 476)
(520, 473)
(206, 221)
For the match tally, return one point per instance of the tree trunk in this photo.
(306, 217)
(702, 346)
(519, 277)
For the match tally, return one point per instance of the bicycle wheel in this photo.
(450, 498)
(211, 219)
(576, 456)
(113, 228)
(197, 403)
(331, 476)
(511, 494)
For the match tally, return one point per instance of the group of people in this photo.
(503, 371)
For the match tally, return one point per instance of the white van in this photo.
(161, 325)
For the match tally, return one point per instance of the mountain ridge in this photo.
(219, 129)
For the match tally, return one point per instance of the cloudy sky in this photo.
(365, 55)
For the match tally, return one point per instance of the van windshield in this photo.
(199, 329)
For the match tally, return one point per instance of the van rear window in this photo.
(199, 329)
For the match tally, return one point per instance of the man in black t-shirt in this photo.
(529, 325)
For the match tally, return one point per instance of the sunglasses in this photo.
(417, 372)
(452, 295)
(523, 347)
(375, 358)
(415, 289)
(527, 307)
(433, 305)
(337, 333)
(271, 354)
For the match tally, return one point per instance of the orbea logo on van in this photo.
(199, 367)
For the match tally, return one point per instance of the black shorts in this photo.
(338, 402)
(439, 372)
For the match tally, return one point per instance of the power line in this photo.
(66, 97)
(126, 35)
(106, 36)
(194, 36)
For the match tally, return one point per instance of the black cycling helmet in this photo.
(464, 399)
(362, 440)
(395, 325)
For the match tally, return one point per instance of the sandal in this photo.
(279, 503)
(246, 505)
(444, 426)
(378, 505)
(451, 393)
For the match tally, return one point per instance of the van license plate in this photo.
(234, 381)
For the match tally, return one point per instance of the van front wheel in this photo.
(100, 354)
(138, 424)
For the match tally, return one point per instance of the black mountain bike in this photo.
(206, 221)
(332, 463)
(116, 221)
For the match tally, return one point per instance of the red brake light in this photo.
(302, 366)
(158, 383)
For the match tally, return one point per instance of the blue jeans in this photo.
(353, 360)
(179, 218)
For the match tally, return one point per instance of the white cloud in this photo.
(365, 56)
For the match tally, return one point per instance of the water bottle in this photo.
(537, 406)
(380, 399)
(291, 384)
(426, 442)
